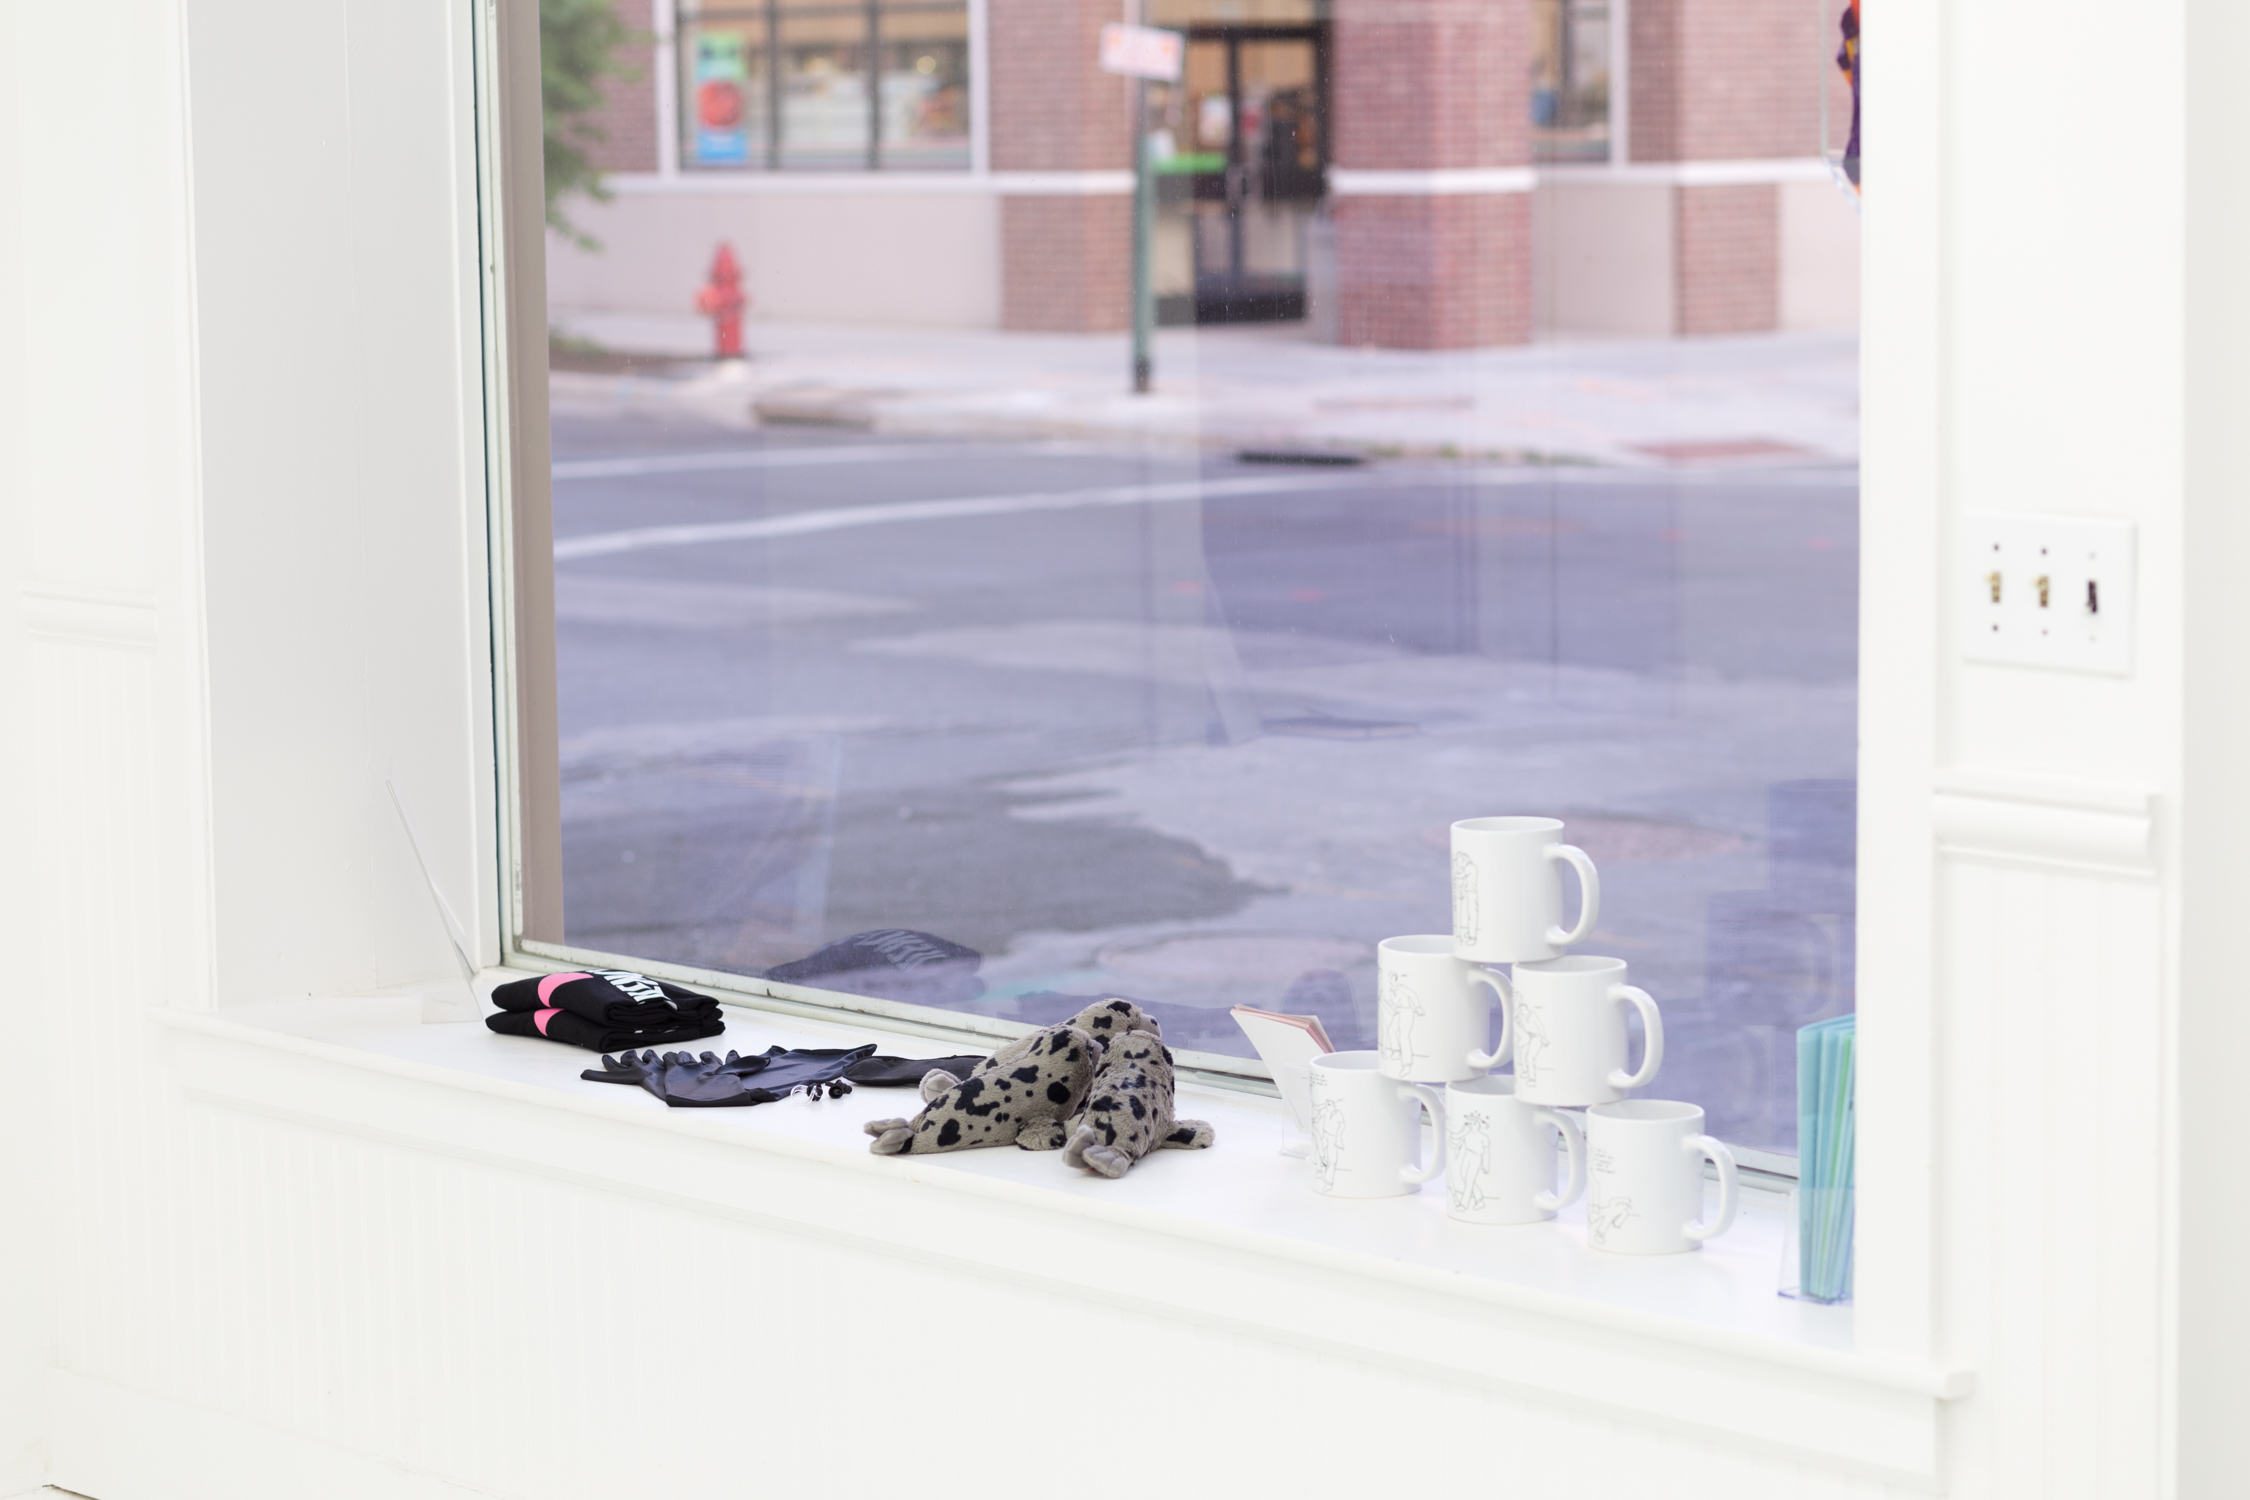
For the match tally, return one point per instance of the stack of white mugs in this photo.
(1639, 1162)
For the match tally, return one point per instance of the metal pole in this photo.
(1238, 186)
(874, 85)
(1144, 233)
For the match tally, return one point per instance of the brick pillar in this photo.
(1432, 85)
(625, 125)
(1726, 258)
(1065, 258)
(1726, 80)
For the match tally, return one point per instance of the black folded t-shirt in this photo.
(609, 997)
(577, 1031)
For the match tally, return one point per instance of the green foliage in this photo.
(579, 46)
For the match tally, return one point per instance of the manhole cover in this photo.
(1222, 965)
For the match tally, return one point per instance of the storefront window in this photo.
(820, 86)
(1462, 489)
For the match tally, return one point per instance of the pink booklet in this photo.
(1262, 1026)
(1287, 1044)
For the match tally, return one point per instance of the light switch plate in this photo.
(2047, 591)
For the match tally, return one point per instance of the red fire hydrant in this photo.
(722, 300)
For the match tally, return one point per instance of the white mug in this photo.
(1507, 890)
(1294, 1080)
(1644, 1178)
(1367, 1129)
(1499, 1164)
(1565, 1027)
(1432, 1015)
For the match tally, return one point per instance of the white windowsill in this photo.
(1234, 1236)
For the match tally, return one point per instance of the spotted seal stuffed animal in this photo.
(1107, 1020)
(1128, 1111)
(1104, 1020)
(1022, 1094)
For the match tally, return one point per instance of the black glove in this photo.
(686, 1081)
(906, 1072)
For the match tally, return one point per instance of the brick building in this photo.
(1402, 173)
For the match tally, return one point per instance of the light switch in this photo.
(2047, 591)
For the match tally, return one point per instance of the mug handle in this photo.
(1436, 1106)
(1723, 1159)
(1589, 894)
(1499, 1054)
(1574, 1142)
(1652, 1040)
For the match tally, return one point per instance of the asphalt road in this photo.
(1191, 729)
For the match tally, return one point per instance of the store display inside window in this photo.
(791, 85)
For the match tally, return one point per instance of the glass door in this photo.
(1243, 156)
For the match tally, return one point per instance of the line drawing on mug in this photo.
(1531, 1043)
(1464, 900)
(1606, 1214)
(1470, 1141)
(1328, 1143)
(1397, 1009)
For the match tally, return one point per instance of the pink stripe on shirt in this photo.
(553, 982)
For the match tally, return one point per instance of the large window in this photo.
(918, 626)
(817, 84)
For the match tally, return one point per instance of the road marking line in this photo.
(845, 518)
(752, 458)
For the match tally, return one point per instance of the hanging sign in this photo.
(1142, 52)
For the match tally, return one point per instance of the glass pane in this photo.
(925, 86)
(1448, 499)
(825, 109)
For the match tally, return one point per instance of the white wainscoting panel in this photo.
(2053, 1022)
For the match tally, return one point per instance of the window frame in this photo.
(511, 211)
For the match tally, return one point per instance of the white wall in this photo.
(96, 513)
(242, 541)
(2029, 1046)
(2210, 1231)
(1603, 262)
(242, 525)
(915, 257)
(341, 529)
(26, 1332)
(1820, 258)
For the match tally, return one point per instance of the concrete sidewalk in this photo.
(1763, 399)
